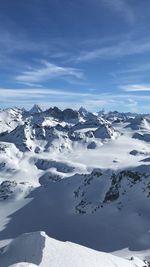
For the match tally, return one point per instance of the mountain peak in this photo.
(83, 110)
(35, 109)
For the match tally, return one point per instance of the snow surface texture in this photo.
(78, 176)
(39, 249)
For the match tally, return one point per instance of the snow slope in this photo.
(10, 118)
(23, 264)
(39, 249)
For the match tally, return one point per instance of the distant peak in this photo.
(35, 109)
(83, 110)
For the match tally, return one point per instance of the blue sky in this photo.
(72, 53)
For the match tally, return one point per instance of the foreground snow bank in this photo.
(23, 264)
(40, 250)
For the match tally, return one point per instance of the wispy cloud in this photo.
(26, 97)
(135, 88)
(37, 93)
(133, 105)
(121, 49)
(46, 72)
(136, 69)
(122, 8)
(45, 92)
(59, 97)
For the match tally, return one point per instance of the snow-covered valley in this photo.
(78, 177)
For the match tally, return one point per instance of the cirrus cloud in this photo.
(135, 88)
(46, 72)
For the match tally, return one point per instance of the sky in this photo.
(72, 53)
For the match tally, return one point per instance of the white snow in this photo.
(23, 264)
(39, 249)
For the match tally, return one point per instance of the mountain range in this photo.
(76, 176)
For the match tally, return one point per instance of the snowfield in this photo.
(79, 177)
(39, 249)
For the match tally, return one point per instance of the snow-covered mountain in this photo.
(78, 176)
(35, 110)
(10, 118)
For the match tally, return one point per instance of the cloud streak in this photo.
(92, 101)
(136, 69)
(37, 93)
(125, 48)
(122, 8)
(135, 88)
(46, 72)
